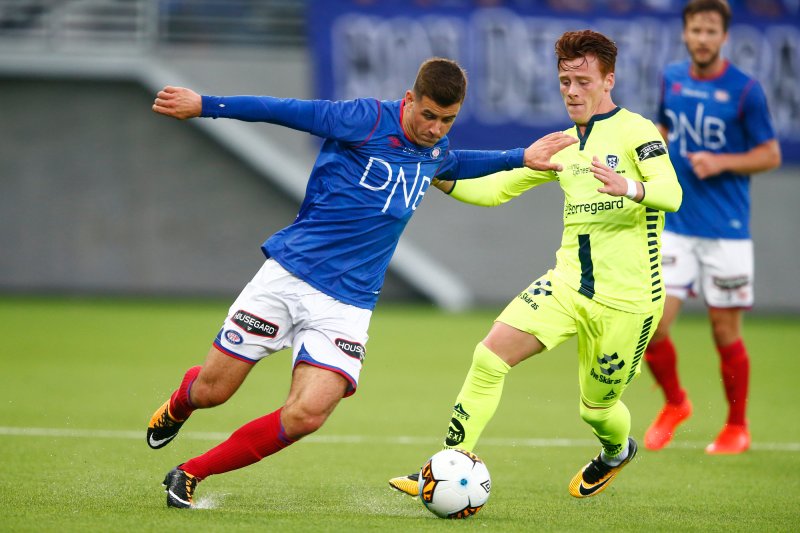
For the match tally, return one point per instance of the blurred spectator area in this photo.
(136, 24)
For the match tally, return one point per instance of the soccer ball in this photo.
(454, 484)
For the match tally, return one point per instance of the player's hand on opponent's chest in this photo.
(537, 155)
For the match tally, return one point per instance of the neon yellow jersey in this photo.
(611, 247)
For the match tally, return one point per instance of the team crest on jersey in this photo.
(436, 152)
(612, 161)
(233, 337)
(676, 87)
(395, 141)
(721, 95)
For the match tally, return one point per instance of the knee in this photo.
(487, 362)
(661, 333)
(724, 333)
(298, 420)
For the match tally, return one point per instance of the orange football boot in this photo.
(732, 439)
(661, 431)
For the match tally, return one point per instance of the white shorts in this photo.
(722, 268)
(277, 310)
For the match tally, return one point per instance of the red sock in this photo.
(180, 406)
(662, 358)
(735, 366)
(247, 445)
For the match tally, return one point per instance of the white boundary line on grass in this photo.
(361, 439)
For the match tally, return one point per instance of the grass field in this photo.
(80, 379)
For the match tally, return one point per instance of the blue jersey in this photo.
(366, 183)
(725, 114)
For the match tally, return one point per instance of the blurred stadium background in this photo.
(100, 196)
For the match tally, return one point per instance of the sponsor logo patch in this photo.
(541, 288)
(460, 412)
(577, 169)
(607, 365)
(591, 208)
(254, 325)
(730, 284)
(603, 379)
(528, 299)
(455, 433)
(651, 149)
(352, 348)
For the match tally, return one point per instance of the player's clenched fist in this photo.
(705, 164)
(178, 102)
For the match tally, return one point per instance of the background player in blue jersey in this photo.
(716, 120)
(324, 272)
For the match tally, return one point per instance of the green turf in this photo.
(70, 367)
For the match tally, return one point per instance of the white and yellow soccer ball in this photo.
(454, 484)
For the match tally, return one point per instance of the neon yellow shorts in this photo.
(611, 343)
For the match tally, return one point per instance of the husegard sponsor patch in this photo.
(254, 325)
(352, 348)
(651, 149)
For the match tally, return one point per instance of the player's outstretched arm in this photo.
(537, 155)
(178, 102)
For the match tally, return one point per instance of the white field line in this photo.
(362, 439)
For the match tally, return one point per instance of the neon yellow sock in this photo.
(478, 399)
(611, 425)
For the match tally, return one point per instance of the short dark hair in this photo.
(579, 44)
(442, 80)
(700, 6)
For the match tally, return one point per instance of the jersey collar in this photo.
(402, 109)
(712, 77)
(602, 116)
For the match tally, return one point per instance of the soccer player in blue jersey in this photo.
(718, 127)
(323, 274)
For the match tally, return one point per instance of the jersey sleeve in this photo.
(661, 188)
(500, 187)
(755, 116)
(468, 164)
(349, 120)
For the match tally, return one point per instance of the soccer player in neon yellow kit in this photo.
(606, 287)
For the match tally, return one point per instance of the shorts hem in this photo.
(235, 355)
(352, 385)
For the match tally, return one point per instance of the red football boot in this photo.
(732, 439)
(662, 429)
